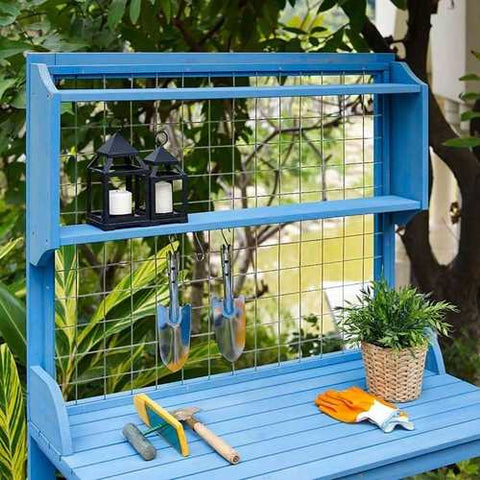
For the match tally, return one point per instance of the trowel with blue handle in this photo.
(228, 314)
(174, 322)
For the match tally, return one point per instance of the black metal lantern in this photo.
(117, 182)
(167, 187)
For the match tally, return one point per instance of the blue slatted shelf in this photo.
(270, 417)
(78, 234)
(211, 93)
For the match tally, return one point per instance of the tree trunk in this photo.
(458, 282)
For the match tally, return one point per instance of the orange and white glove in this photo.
(354, 405)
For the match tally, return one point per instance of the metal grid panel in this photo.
(106, 334)
(238, 154)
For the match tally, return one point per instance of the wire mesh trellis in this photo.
(238, 153)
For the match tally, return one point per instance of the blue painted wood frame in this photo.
(43, 146)
(400, 98)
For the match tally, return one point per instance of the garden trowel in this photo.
(229, 314)
(174, 322)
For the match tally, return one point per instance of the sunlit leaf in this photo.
(9, 48)
(115, 13)
(135, 7)
(12, 323)
(463, 142)
(465, 116)
(470, 96)
(166, 6)
(13, 425)
(5, 84)
(470, 77)
(9, 247)
(9, 12)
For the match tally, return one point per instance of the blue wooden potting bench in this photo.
(266, 413)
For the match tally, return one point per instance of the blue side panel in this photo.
(409, 141)
(48, 412)
(43, 117)
(43, 172)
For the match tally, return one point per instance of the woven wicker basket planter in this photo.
(394, 375)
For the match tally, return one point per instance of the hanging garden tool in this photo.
(229, 313)
(174, 323)
(161, 422)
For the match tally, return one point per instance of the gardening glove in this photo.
(355, 405)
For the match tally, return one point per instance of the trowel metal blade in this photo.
(174, 337)
(230, 329)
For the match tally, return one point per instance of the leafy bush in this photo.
(311, 340)
(393, 319)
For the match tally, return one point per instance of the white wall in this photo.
(455, 33)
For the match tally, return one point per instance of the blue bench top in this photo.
(270, 418)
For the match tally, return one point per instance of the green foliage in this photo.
(85, 345)
(466, 470)
(311, 340)
(394, 319)
(12, 323)
(463, 142)
(462, 357)
(468, 141)
(13, 427)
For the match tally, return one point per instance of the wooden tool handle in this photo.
(218, 444)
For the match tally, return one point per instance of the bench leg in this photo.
(39, 466)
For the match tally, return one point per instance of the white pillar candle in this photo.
(120, 202)
(163, 197)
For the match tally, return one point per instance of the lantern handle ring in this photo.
(161, 138)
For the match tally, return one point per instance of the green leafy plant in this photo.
(394, 319)
(13, 428)
(467, 141)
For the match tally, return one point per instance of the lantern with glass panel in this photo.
(117, 182)
(167, 200)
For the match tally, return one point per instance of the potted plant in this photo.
(394, 329)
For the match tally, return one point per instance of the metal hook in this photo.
(199, 256)
(172, 238)
(225, 238)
